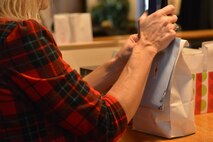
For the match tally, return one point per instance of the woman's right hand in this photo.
(157, 30)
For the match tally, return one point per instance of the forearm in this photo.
(104, 76)
(130, 86)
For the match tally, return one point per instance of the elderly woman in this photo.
(43, 99)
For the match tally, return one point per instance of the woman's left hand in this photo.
(125, 52)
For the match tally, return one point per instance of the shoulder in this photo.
(6, 27)
(32, 27)
(26, 29)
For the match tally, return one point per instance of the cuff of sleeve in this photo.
(118, 113)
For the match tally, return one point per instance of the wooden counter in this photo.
(204, 133)
(196, 34)
(112, 41)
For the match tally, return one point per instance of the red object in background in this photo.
(198, 93)
(210, 92)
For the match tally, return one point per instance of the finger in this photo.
(143, 17)
(134, 38)
(176, 27)
(173, 27)
(172, 19)
(168, 10)
(169, 37)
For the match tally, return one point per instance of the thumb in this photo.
(142, 18)
(144, 15)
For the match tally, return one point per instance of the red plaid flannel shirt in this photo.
(42, 99)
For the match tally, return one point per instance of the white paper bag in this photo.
(62, 29)
(194, 59)
(72, 28)
(200, 63)
(207, 48)
(81, 27)
(167, 107)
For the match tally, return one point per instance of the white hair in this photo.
(20, 9)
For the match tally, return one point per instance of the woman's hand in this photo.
(158, 29)
(125, 52)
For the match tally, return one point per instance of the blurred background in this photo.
(119, 17)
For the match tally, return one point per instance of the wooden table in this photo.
(204, 133)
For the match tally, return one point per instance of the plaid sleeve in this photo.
(58, 91)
